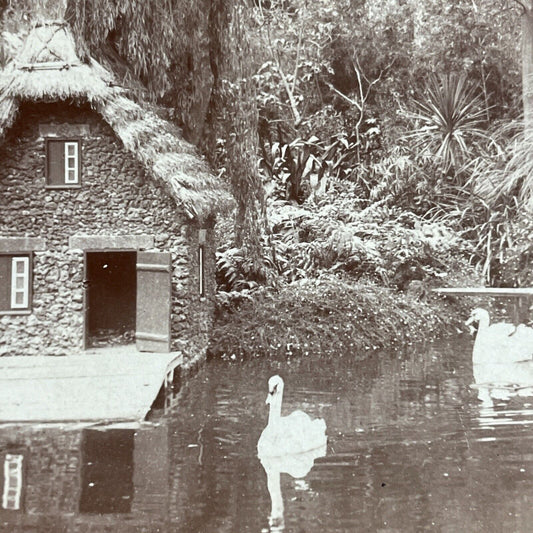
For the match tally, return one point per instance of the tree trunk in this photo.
(527, 69)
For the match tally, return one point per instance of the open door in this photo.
(110, 295)
(154, 297)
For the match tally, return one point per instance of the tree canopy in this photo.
(398, 103)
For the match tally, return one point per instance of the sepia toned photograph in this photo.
(266, 266)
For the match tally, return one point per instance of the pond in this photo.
(413, 445)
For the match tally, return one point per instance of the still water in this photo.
(414, 444)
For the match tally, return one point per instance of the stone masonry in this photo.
(116, 198)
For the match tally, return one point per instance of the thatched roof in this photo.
(48, 69)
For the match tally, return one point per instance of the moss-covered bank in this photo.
(332, 316)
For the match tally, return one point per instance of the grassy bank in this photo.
(334, 317)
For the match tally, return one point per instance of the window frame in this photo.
(13, 481)
(66, 183)
(201, 270)
(15, 258)
(72, 158)
(23, 260)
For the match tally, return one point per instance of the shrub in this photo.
(375, 242)
(329, 316)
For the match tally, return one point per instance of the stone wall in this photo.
(116, 198)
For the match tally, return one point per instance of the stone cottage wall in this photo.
(116, 198)
(193, 328)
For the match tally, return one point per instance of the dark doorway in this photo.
(110, 297)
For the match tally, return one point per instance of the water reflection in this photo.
(297, 466)
(410, 448)
(70, 478)
(107, 471)
(12, 485)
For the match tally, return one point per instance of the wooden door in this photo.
(154, 297)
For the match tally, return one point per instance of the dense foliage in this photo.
(383, 129)
(367, 142)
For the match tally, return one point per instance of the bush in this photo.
(332, 317)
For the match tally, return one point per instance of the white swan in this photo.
(289, 444)
(292, 434)
(501, 342)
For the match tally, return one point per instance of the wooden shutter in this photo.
(55, 163)
(5, 282)
(154, 297)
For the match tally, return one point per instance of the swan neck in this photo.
(484, 322)
(274, 413)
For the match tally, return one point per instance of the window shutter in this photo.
(5, 282)
(55, 163)
(154, 297)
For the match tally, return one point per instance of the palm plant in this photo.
(448, 123)
(509, 176)
(504, 185)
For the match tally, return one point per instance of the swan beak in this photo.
(267, 401)
(470, 323)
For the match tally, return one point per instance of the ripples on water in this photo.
(412, 446)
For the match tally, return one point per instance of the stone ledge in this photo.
(102, 242)
(64, 130)
(22, 244)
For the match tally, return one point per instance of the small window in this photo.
(12, 492)
(202, 238)
(201, 273)
(62, 163)
(15, 277)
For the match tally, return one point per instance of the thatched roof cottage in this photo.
(106, 213)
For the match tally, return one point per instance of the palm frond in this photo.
(448, 122)
(511, 174)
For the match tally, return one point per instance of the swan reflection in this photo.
(288, 444)
(497, 382)
(297, 466)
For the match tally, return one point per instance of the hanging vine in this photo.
(192, 57)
